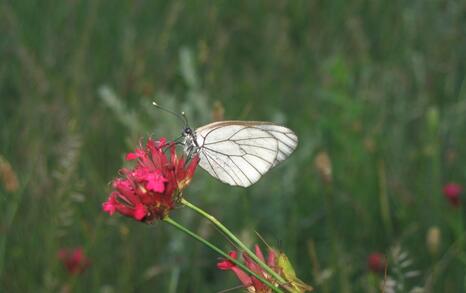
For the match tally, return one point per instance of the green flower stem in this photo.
(219, 251)
(234, 239)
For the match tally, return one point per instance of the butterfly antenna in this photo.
(181, 116)
(186, 124)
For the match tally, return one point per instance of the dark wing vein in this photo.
(242, 170)
(238, 131)
(208, 132)
(225, 170)
(240, 156)
(238, 139)
(260, 158)
(257, 146)
(210, 164)
(281, 141)
(254, 167)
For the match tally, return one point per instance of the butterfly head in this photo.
(189, 135)
(187, 131)
(190, 143)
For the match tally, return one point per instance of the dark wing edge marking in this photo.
(238, 156)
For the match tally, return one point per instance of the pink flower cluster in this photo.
(151, 189)
(377, 262)
(251, 283)
(74, 260)
(452, 192)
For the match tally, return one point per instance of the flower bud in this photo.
(376, 262)
(74, 260)
(452, 192)
(323, 165)
(8, 176)
(433, 239)
(217, 111)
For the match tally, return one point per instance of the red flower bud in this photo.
(74, 260)
(452, 193)
(376, 262)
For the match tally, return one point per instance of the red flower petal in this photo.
(227, 264)
(140, 212)
(244, 278)
(138, 153)
(259, 253)
(271, 259)
(156, 182)
(109, 207)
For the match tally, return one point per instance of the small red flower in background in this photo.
(452, 193)
(251, 283)
(376, 262)
(151, 189)
(74, 260)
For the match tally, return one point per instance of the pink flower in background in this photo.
(376, 262)
(251, 283)
(452, 193)
(151, 189)
(74, 260)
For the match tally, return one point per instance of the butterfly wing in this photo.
(286, 139)
(239, 153)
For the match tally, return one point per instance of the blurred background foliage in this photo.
(375, 91)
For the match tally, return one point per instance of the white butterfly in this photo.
(237, 152)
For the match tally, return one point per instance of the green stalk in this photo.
(383, 198)
(219, 251)
(234, 239)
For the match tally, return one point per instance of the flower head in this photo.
(452, 192)
(8, 176)
(433, 239)
(74, 260)
(152, 188)
(376, 262)
(277, 261)
(251, 283)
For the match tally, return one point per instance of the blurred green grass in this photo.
(377, 85)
